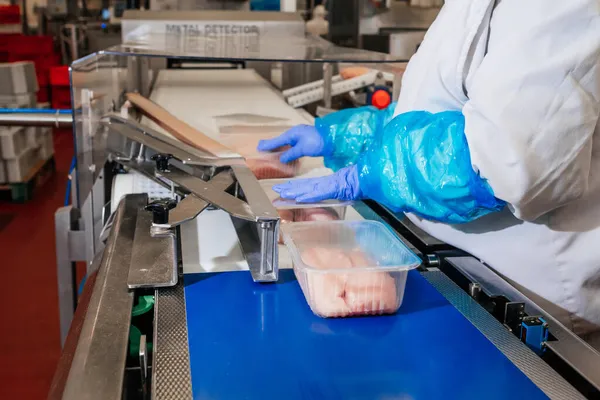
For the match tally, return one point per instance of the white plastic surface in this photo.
(203, 98)
(134, 182)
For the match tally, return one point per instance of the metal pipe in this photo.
(57, 120)
(35, 111)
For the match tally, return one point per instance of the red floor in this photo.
(29, 335)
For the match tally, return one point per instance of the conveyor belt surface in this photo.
(253, 341)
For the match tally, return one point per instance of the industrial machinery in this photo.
(189, 294)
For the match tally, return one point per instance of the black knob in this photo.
(160, 210)
(162, 161)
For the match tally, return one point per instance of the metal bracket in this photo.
(513, 315)
(191, 206)
(153, 257)
(70, 248)
(211, 194)
(143, 356)
(201, 181)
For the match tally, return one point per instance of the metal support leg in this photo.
(70, 247)
(327, 83)
(73, 44)
(64, 270)
(397, 85)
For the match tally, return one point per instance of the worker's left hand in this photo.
(343, 185)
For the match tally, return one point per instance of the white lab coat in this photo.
(527, 79)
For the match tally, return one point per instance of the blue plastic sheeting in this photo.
(253, 341)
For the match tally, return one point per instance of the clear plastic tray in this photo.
(267, 166)
(349, 268)
(264, 165)
(286, 204)
(290, 211)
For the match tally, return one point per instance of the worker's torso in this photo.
(552, 256)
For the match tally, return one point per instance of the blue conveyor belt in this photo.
(257, 341)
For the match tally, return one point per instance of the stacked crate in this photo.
(37, 49)
(23, 150)
(10, 19)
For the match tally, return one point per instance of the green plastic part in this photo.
(145, 304)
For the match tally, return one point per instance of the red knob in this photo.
(381, 99)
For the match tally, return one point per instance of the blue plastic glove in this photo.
(304, 139)
(343, 185)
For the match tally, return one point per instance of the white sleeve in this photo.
(534, 103)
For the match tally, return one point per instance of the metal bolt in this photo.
(474, 290)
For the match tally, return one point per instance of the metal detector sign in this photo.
(212, 30)
(233, 39)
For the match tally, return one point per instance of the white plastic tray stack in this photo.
(21, 148)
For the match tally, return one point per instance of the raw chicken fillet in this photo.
(349, 293)
(267, 168)
(262, 164)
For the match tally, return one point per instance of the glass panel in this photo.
(244, 47)
(100, 81)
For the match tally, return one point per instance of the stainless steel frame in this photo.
(153, 256)
(568, 346)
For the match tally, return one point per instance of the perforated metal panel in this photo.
(540, 373)
(171, 378)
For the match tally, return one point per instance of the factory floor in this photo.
(29, 333)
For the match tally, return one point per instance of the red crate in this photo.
(10, 15)
(43, 77)
(43, 95)
(32, 46)
(61, 97)
(44, 61)
(7, 40)
(59, 76)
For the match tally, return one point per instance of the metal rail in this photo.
(98, 366)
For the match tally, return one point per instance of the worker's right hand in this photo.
(304, 140)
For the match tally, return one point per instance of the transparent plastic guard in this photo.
(244, 47)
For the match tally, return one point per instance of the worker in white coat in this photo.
(494, 147)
